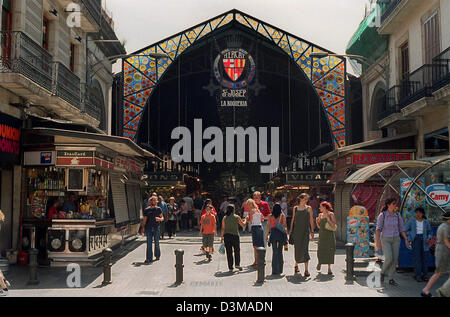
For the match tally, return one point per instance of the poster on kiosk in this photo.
(358, 231)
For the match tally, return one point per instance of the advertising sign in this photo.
(358, 234)
(75, 158)
(10, 134)
(415, 199)
(439, 194)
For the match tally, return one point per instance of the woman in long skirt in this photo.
(327, 239)
(302, 228)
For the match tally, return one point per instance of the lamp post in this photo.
(360, 58)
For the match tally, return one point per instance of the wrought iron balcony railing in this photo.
(417, 85)
(67, 85)
(441, 70)
(93, 104)
(94, 7)
(21, 55)
(392, 103)
(389, 7)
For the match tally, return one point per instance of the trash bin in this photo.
(22, 258)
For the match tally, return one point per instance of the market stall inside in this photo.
(82, 193)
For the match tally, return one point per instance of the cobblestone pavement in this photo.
(131, 277)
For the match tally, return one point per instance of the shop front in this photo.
(82, 194)
(426, 186)
(349, 160)
(10, 149)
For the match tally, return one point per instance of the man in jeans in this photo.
(152, 217)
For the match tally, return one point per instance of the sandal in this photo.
(296, 270)
(425, 295)
(318, 267)
(393, 283)
(307, 274)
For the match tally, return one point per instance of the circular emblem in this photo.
(56, 244)
(234, 68)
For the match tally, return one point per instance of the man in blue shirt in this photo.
(162, 204)
(69, 205)
(150, 226)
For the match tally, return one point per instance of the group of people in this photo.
(417, 234)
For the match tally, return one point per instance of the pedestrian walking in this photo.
(442, 255)
(208, 231)
(150, 226)
(198, 207)
(190, 210)
(302, 228)
(255, 217)
(162, 225)
(264, 208)
(222, 210)
(172, 213)
(184, 215)
(315, 205)
(230, 236)
(418, 231)
(4, 284)
(246, 207)
(277, 230)
(327, 239)
(389, 228)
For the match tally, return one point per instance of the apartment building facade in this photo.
(55, 69)
(406, 81)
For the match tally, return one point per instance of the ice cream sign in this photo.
(439, 194)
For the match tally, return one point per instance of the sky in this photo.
(326, 23)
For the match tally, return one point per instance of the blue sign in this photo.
(439, 194)
(46, 157)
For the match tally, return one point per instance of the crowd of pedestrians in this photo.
(274, 225)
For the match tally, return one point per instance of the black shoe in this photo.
(393, 283)
(425, 279)
(425, 295)
(157, 259)
(419, 279)
(307, 274)
(330, 272)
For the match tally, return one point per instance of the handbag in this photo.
(330, 227)
(222, 249)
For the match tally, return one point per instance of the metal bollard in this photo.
(107, 265)
(179, 265)
(350, 259)
(261, 256)
(33, 255)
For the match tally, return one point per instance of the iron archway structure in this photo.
(141, 73)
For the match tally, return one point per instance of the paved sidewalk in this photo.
(131, 277)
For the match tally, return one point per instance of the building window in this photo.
(432, 43)
(72, 57)
(6, 28)
(404, 61)
(45, 30)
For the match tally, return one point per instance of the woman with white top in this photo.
(255, 218)
(420, 234)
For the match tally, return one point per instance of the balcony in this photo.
(417, 85)
(93, 104)
(25, 67)
(441, 72)
(392, 103)
(394, 13)
(67, 85)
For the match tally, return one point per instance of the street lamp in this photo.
(351, 56)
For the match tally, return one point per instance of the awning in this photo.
(366, 173)
(121, 145)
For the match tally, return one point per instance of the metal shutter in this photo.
(119, 199)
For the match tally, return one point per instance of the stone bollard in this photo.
(33, 265)
(350, 259)
(261, 256)
(107, 265)
(179, 266)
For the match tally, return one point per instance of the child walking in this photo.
(208, 231)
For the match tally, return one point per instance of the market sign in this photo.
(10, 134)
(307, 177)
(370, 158)
(75, 158)
(439, 194)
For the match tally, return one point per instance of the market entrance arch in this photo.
(142, 75)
